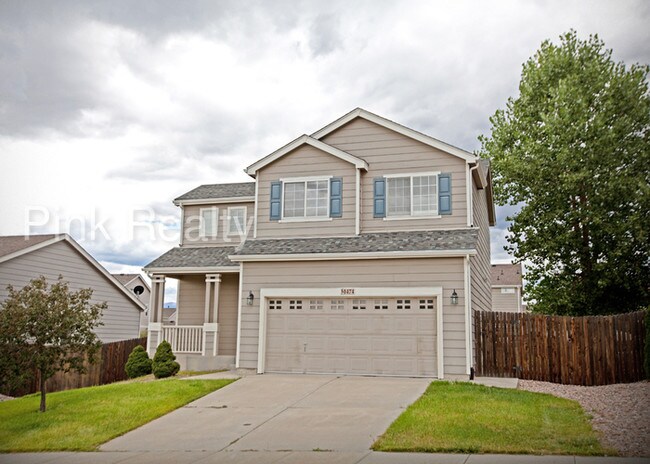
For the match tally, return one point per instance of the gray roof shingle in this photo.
(216, 191)
(12, 243)
(366, 243)
(209, 256)
(505, 274)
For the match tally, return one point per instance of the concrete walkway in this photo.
(281, 412)
(298, 457)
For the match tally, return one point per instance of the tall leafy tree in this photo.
(573, 151)
(46, 329)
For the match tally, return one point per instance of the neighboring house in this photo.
(169, 313)
(140, 288)
(361, 249)
(507, 288)
(23, 258)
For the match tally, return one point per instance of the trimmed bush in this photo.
(164, 364)
(138, 363)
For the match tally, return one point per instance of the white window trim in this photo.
(306, 219)
(305, 180)
(238, 233)
(404, 218)
(202, 233)
(412, 215)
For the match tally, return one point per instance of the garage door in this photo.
(352, 336)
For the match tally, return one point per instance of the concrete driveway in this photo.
(274, 412)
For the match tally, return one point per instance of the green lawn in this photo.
(468, 418)
(85, 418)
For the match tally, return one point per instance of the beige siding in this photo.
(388, 152)
(121, 318)
(505, 301)
(191, 300)
(306, 161)
(480, 264)
(191, 215)
(191, 307)
(228, 313)
(444, 272)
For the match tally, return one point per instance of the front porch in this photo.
(204, 334)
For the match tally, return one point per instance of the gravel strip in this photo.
(5, 397)
(620, 412)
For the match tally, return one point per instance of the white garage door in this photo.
(352, 336)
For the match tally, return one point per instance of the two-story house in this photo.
(360, 249)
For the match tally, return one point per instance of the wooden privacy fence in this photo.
(592, 350)
(109, 368)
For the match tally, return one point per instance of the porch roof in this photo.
(194, 257)
(390, 242)
(217, 191)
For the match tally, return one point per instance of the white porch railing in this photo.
(184, 338)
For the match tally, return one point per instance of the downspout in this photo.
(468, 315)
(357, 224)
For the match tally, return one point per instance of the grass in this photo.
(468, 418)
(83, 419)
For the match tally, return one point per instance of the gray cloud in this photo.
(195, 91)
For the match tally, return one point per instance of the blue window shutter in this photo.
(379, 200)
(444, 193)
(276, 201)
(336, 197)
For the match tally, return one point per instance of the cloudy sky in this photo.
(109, 110)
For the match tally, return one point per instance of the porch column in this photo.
(156, 302)
(211, 316)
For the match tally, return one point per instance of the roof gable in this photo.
(42, 241)
(126, 279)
(305, 140)
(391, 125)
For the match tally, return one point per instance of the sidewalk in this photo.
(299, 457)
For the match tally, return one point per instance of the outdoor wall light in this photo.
(250, 298)
(454, 297)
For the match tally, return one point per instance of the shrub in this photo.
(164, 364)
(646, 357)
(138, 363)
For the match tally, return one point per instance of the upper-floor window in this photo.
(208, 222)
(409, 196)
(306, 199)
(412, 195)
(236, 220)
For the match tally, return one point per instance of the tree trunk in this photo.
(42, 382)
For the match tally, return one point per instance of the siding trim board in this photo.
(190, 270)
(367, 292)
(348, 256)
